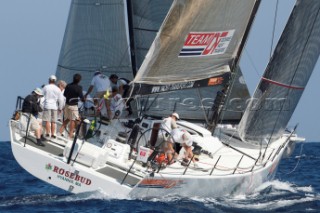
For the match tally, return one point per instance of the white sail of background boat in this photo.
(197, 47)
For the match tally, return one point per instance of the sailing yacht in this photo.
(183, 56)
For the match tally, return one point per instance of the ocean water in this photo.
(296, 188)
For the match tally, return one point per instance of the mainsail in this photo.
(286, 76)
(108, 35)
(198, 45)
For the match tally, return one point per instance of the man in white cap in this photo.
(53, 103)
(30, 110)
(169, 123)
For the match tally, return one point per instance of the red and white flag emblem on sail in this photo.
(206, 43)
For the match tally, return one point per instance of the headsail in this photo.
(198, 39)
(286, 76)
(196, 48)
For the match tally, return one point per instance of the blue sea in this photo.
(296, 188)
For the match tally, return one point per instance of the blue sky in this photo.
(31, 36)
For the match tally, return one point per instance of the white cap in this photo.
(52, 78)
(175, 115)
(97, 72)
(38, 91)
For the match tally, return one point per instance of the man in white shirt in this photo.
(62, 85)
(101, 83)
(53, 101)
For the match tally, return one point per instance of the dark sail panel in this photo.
(235, 105)
(196, 103)
(148, 16)
(286, 76)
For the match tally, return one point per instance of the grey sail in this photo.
(198, 40)
(101, 35)
(286, 76)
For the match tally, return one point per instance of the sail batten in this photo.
(286, 76)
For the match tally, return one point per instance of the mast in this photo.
(131, 37)
(223, 95)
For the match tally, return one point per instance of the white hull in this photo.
(232, 173)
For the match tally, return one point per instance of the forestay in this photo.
(285, 77)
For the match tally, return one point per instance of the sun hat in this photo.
(97, 72)
(38, 91)
(175, 115)
(52, 78)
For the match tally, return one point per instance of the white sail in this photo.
(198, 40)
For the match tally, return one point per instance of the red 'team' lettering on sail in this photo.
(206, 43)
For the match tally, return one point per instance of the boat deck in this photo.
(225, 159)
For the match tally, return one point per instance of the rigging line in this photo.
(148, 108)
(147, 30)
(203, 108)
(294, 169)
(274, 27)
(294, 74)
(252, 63)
